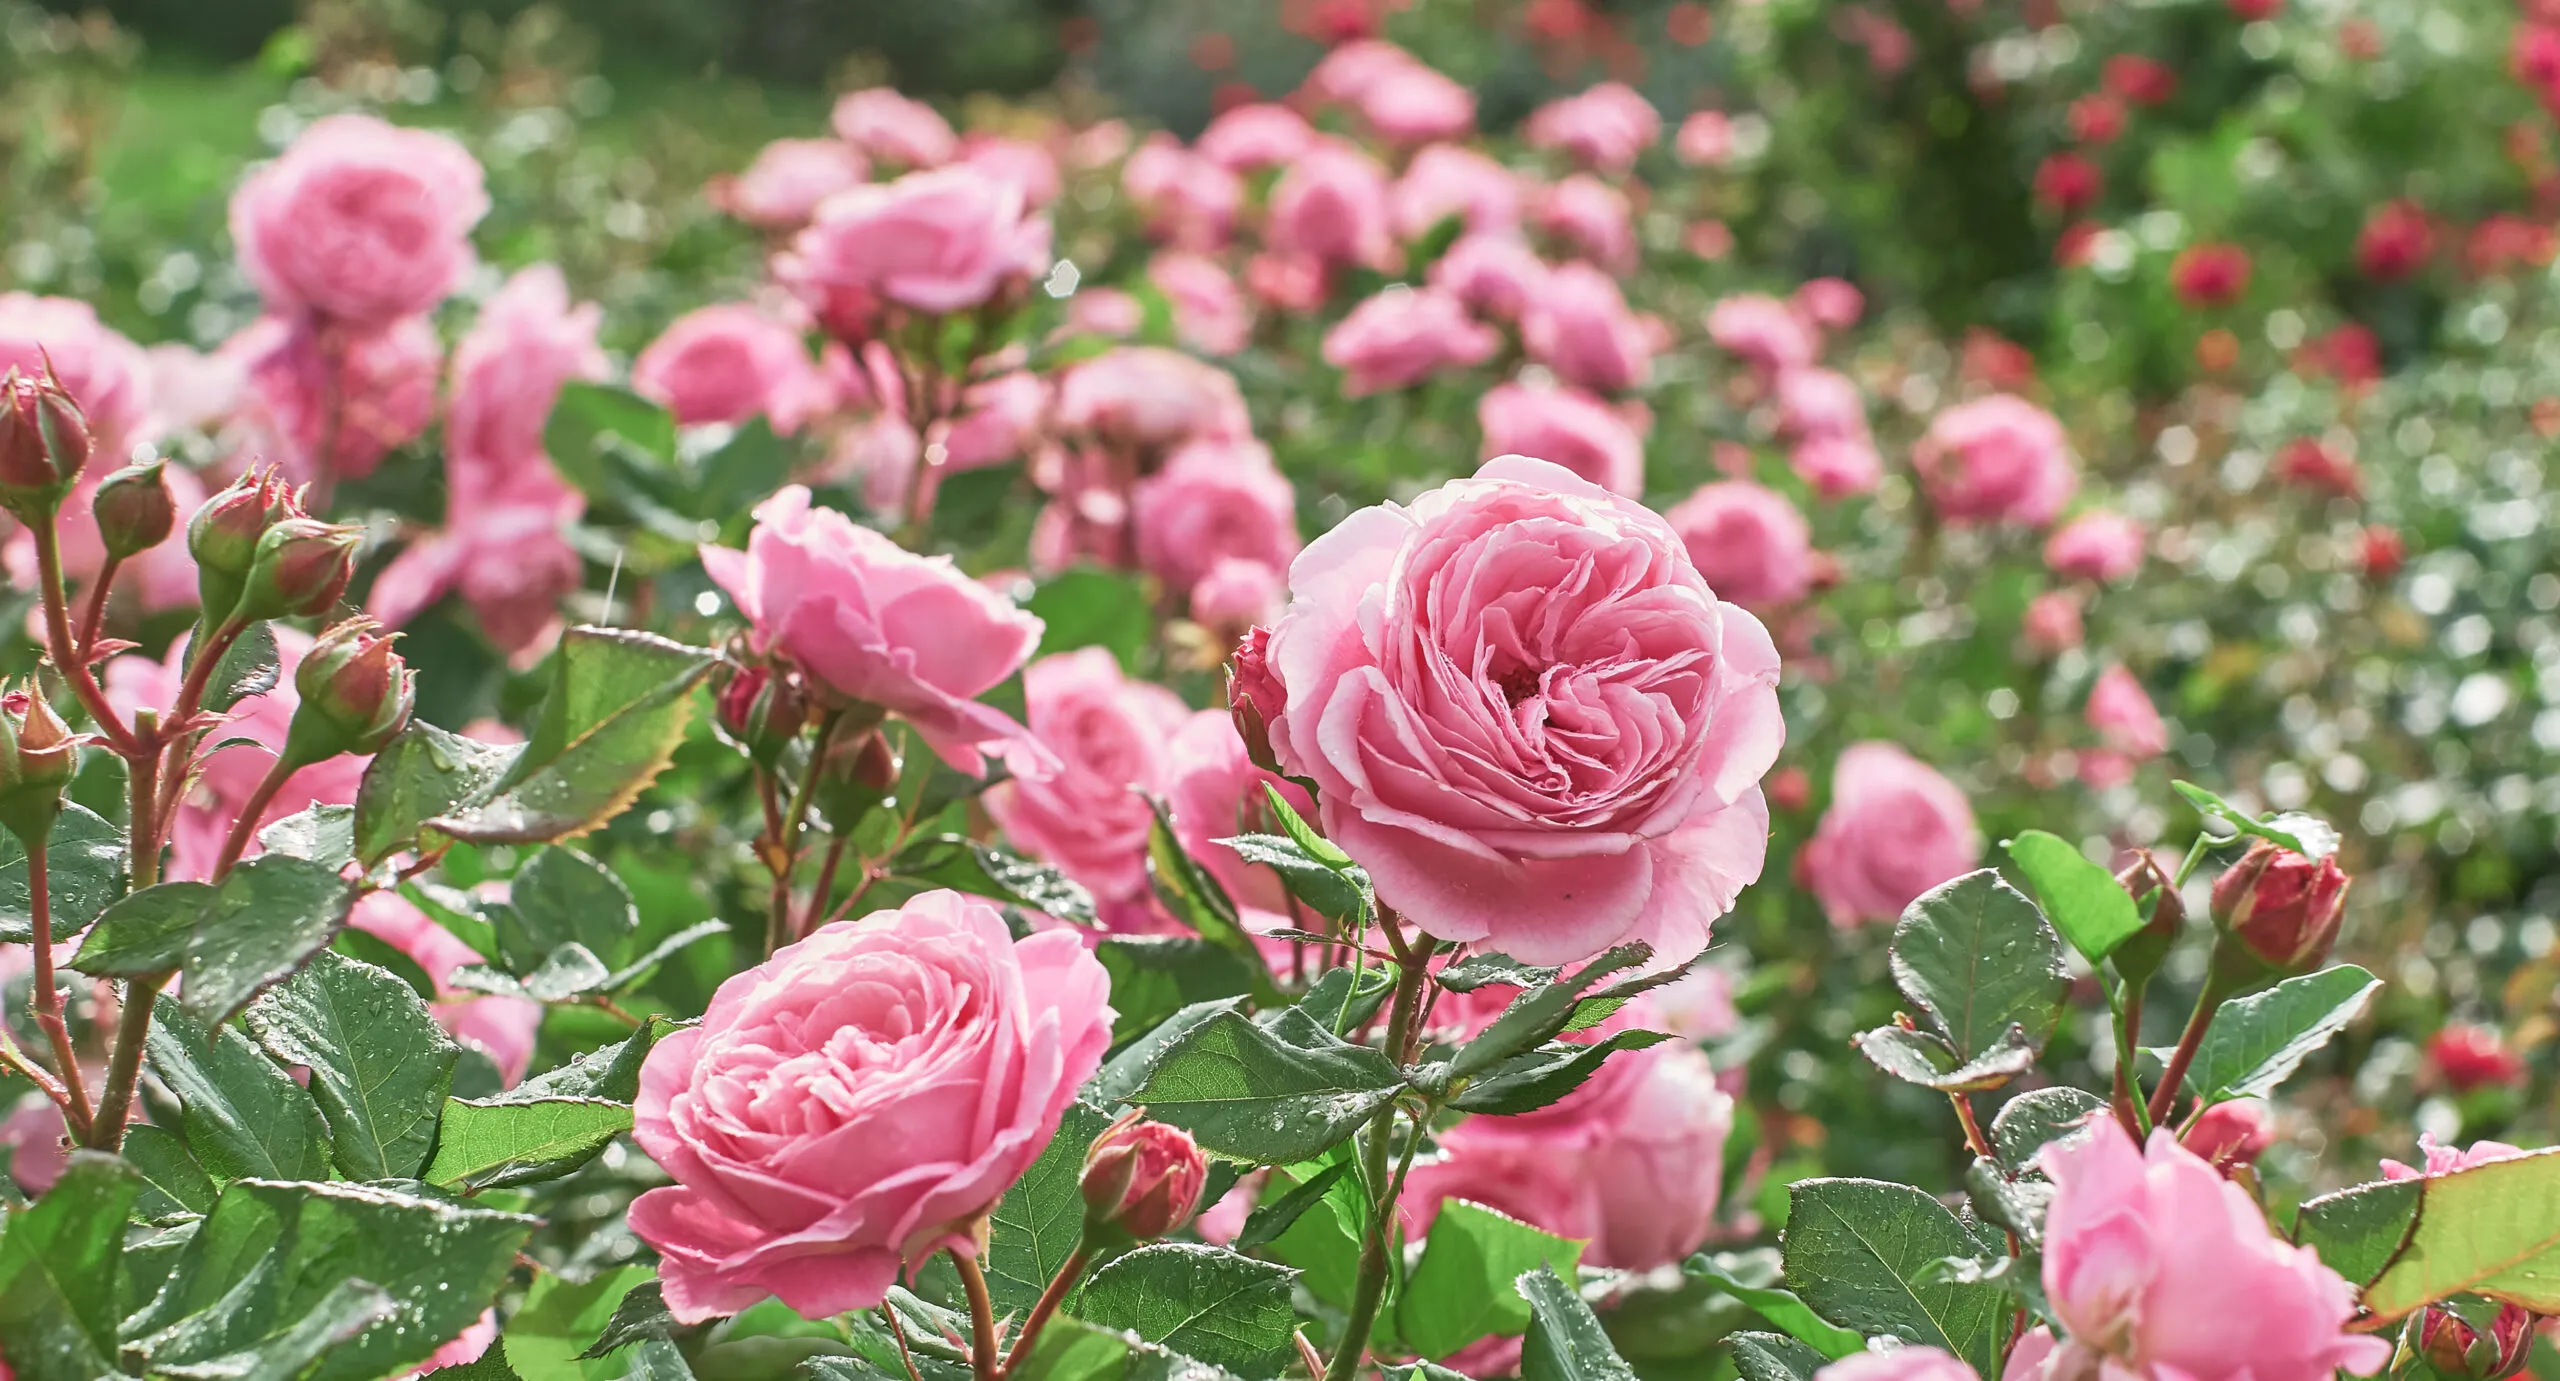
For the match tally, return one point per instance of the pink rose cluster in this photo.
(1820, 412)
(1996, 459)
(931, 243)
(1895, 828)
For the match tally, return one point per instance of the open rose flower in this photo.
(1567, 426)
(1447, 180)
(884, 124)
(787, 180)
(1210, 312)
(1767, 333)
(1748, 541)
(940, 241)
(1528, 715)
(1578, 325)
(1110, 736)
(1403, 336)
(1414, 104)
(2097, 545)
(360, 395)
(729, 362)
(1895, 829)
(871, 621)
(1255, 136)
(359, 221)
(854, 1104)
(1150, 398)
(1591, 218)
(1496, 275)
(1996, 459)
(1214, 501)
(1330, 207)
(1605, 127)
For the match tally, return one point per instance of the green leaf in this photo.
(1489, 970)
(591, 421)
(1207, 1302)
(1127, 1070)
(1565, 1342)
(492, 1365)
(563, 897)
(339, 1317)
(611, 1073)
(1465, 1285)
(1916, 1057)
(1422, 1371)
(366, 947)
(2491, 1230)
(379, 1063)
(1768, 1357)
(640, 1315)
(638, 970)
(1331, 892)
(422, 774)
(1324, 1242)
(172, 1181)
(1782, 1308)
(1304, 835)
(84, 870)
(2014, 1204)
(1038, 1223)
(1089, 606)
(2307, 835)
(1978, 958)
(561, 1318)
(250, 666)
(265, 919)
(143, 932)
(988, 870)
(1344, 998)
(2256, 1042)
(1857, 1253)
(1196, 900)
(1154, 976)
(1244, 1091)
(244, 1116)
(488, 1144)
(60, 1274)
(2028, 1122)
(323, 834)
(1537, 1078)
(2359, 1231)
(1540, 1013)
(2080, 898)
(1268, 1221)
(618, 707)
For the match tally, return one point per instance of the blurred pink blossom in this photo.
(1605, 127)
(1403, 336)
(781, 189)
(1565, 425)
(893, 128)
(1749, 542)
(730, 362)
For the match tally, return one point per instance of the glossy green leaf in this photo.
(1536, 1078)
(1465, 1285)
(1268, 1221)
(611, 1073)
(339, 1317)
(561, 1318)
(420, 775)
(1859, 1253)
(1565, 1340)
(2257, 1042)
(1917, 1057)
(1770, 1357)
(250, 666)
(1978, 958)
(2492, 1230)
(263, 921)
(1226, 1309)
(1540, 1013)
(2080, 898)
(489, 1144)
(1129, 1067)
(323, 834)
(2027, 1123)
(244, 1117)
(1036, 1225)
(1782, 1308)
(172, 1182)
(1328, 890)
(60, 1277)
(379, 1064)
(84, 870)
(2307, 835)
(591, 421)
(1089, 606)
(989, 870)
(562, 897)
(1243, 1091)
(2360, 1231)
(1155, 976)
(143, 932)
(1196, 900)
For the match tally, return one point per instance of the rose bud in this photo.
(356, 693)
(763, 712)
(2280, 908)
(223, 536)
(2458, 1347)
(1141, 1180)
(37, 760)
(44, 444)
(2473, 1057)
(134, 510)
(856, 773)
(301, 568)
(2231, 1134)
(2139, 955)
(1254, 695)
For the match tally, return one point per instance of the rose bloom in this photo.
(108, 375)
(1832, 302)
(1020, 162)
(2052, 623)
(1748, 541)
(2380, 552)
(1838, 466)
(2445, 1160)
(1110, 736)
(247, 745)
(379, 384)
(1815, 402)
(1103, 312)
(730, 362)
(1151, 398)
(1496, 275)
(1235, 594)
(894, 128)
(1445, 180)
(1591, 217)
(1403, 336)
(2231, 1134)
(781, 189)
(1414, 104)
(529, 341)
(1290, 282)
(1567, 426)
(1190, 202)
(2098, 545)
(1578, 325)
(855, 1103)
(2471, 1057)
(1764, 331)
(1251, 137)
(359, 221)
(1530, 718)
(2097, 119)
(502, 1028)
(2395, 241)
(1898, 1364)
(1213, 792)
(2124, 717)
(1352, 68)
(867, 620)
(1210, 312)
(1213, 500)
(1705, 139)
(2304, 461)
(2139, 79)
(2148, 1248)
(942, 241)
(1605, 127)
(507, 557)
(1330, 206)
(2210, 275)
(1895, 829)
(1995, 459)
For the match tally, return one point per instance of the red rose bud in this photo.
(134, 510)
(1141, 1179)
(2231, 1134)
(37, 759)
(2473, 1057)
(2281, 908)
(44, 444)
(763, 713)
(1254, 696)
(2459, 1346)
(301, 568)
(223, 536)
(856, 772)
(356, 693)
(2381, 552)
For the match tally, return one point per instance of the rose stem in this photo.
(982, 1316)
(1050, 1299)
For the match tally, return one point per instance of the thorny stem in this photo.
(124, 1067)
(982, 1317)
(1973, 1137)
(201, 660)
(826, 883)
(1050, 1299)
(898, 1331)
(784, 852)
(95, 612)
(2165, 1096)
(48, 996)
(1412, 976)
(66, 658)
(237, 842)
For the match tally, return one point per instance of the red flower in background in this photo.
(2210, 275)
(2067, 183)
(2395, 242)
(2304, 461)
(2381, 552)
(2139, 79)
(2350, 354)
(2071, 247)
(2097, 119)
(2473, 1057)
(1996, 362)
(2250, 11)
(2504, 242)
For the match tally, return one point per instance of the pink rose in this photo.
(1831, 302)
(190, 389)
(2124, 717)
(1190, 202)
(1567, 426)
(1414, 104)
(362, 395)
(359, 221)
(465, 1347)
(1151, 398)
(1528, 715)
(1838, 466)
(730, 362)
(1209, 311)
(1110, 735)
(1213, 500)
(1898, 1364)
(1895, 829)
(893, 128)
(1352, 68)
(1605, 127)
(1815, 402)
(2097, 545)
(1330, 206)
(1705, 139)
(108, 375)
(1496, 275)
(507, 557)
(2231, 1134)
(1593, 219)
(1764, 331)
(1022, 163)
(1000, 418)
(2147, 1248)
(1290, 282)
(781, 189)
(1748, 541)
(2444, 1160)
(1104, 312)
(1214, 792)
(502, 1028)
(1578, 325)
(870, 621)
(1402, 336)
(1697, 1006)
(853, 1104)
(2052, 623)
(1995, 459)
(509, 369)
(1248, 138)
(942, 241)
(1445, 180)
(1235, 594)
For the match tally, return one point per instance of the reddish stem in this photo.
(48, 996)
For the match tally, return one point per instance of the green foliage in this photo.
(379, 1063)
(1268, 1095)
(1196, 899)
(59, 1278)
(2359, 1231)
(1228, 1310)
(1155, 976)
(84, 871)
(1038, 1223)
(1860, 1253)
(2492, 1229)
(1985, 969)
(988, 870)
(2032, 1120)
(2256, 1042)
(1565, 1340)
(1464, 1286)
(2080, 898)
(244, 1117)
(1783, 1309)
